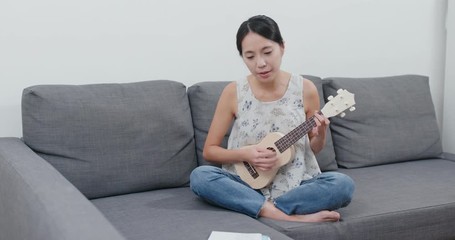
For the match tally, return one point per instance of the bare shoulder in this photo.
(228, 98)
(229, 92)
(310, 97)
(230, 89)
(310, 90)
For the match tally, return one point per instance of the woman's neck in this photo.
(271, 90)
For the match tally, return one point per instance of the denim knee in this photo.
(199, 177)
(344, 189)
(220, 188)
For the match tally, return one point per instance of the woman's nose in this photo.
(261, 63)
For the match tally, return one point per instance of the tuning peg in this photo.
(330, 97)
(352, 109)
(342, 114)
(339, 90)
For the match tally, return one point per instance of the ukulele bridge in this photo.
(251, 170)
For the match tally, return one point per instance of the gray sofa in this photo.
(112, 161)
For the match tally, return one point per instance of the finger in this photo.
(264, 152)
(327, 121)
(265, 167)
(318, 122)
(262, 149)
(269, 154)
(322, 119)
(319, 117)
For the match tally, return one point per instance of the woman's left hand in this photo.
(321, 124)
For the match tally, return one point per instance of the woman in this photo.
(269, 100)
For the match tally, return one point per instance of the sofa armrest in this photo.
(448, 156)
(37, 202)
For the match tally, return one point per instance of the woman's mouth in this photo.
(264, 74)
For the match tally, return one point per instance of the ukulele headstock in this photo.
(338, 104)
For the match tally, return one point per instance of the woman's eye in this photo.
(268, 53)
(249, 57)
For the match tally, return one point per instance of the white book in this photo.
(218, 235)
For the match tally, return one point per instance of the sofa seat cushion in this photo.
(203, 100)
(409, 200)
(174, 214)
(110, 139)
(395, 121)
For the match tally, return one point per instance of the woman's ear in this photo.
(282, 48)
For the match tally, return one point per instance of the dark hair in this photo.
(262, 25)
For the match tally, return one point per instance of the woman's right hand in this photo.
(261, 158)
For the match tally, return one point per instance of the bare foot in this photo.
(322, 216)
(270, 211)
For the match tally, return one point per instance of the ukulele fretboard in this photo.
(293, 136)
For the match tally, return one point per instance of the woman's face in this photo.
(262, 56)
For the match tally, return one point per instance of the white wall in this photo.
(92, 41)
(449, 87)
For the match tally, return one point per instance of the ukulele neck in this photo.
(297, 133)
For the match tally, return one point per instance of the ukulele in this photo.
(283, 145)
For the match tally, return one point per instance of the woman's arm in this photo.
(222, 119)
(311, 103)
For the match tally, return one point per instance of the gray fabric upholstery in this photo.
(448, 156)
(326, 157)
(394, 121)
(110, 139)
(174, 214)
(120, 144)
(409, 200)
(203, 100)
(37, 202)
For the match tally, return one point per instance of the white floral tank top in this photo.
(255, 119)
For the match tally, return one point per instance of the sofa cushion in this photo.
(37, 202)
(408, 200)
(326, 157)
(174, 214)
(110, 139)
(394, 121)
(203, 100)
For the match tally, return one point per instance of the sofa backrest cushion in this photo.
(326, 157)
(110, 139)
(203, 100)
(394, 121)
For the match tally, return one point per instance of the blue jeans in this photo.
(327, 191)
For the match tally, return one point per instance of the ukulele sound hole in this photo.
(271, 149)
